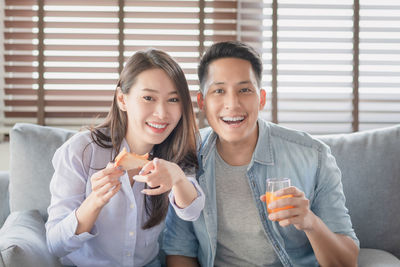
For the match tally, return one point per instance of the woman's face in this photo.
(153, 109)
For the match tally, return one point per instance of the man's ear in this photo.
(200, 100)
(263, 98)
(121, 99)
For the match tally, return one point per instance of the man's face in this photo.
(232, 99)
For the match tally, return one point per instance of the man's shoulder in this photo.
(294, 137)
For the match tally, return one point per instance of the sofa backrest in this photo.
(31, 150)
(369, 161)
(370, 166)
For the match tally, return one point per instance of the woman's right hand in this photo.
(105, 184)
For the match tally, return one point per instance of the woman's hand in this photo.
(160, 175)
(105, 184)
(300, 215)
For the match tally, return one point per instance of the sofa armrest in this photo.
(23, 241)
(4, 196)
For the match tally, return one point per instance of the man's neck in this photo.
(238, 153)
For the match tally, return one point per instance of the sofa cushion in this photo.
(370, 167)
(4, 202)
(374, 258)
(23, 241)
(31, 150)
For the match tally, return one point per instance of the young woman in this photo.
(101, 215)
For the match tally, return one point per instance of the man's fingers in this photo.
(292, 190)
(263, 198)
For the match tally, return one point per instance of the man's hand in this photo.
(300, 215)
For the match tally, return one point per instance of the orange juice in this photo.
(270, 197)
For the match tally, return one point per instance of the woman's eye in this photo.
(175, 99)
(245, 90)
(218, 91)
(147, 98)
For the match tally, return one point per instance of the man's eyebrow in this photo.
(239, 83)
(157, 91)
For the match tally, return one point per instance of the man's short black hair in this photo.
(233, 49)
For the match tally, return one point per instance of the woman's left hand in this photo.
(160, 175)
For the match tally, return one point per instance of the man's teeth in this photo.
(230, 119)
(158, 126)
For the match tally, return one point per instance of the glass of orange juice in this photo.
(273, 185)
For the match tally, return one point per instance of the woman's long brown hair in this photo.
(180, 145)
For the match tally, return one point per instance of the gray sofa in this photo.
(370, 164)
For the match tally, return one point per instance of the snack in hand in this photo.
(129, 161)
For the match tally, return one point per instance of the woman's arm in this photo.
(105, 184)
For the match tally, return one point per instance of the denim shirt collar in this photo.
(262, 153)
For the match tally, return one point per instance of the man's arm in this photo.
(181, 261)
(332, 249)
(327, 218)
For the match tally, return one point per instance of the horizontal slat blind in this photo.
(2, 97)
(82, 50)
(315, 65)
(80, 61)
(254, 28)
(379, 63)
(20, 54)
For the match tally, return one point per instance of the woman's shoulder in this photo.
(82, 140)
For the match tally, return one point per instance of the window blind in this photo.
(314, 65)
(61, 57)
(379, 63)
(254, 28)
(64, 56)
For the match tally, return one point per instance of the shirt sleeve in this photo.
(329, 200)
(191, 212)
(67, 188)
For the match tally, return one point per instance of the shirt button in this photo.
(128, 254)
(131, 233)
(132, 206)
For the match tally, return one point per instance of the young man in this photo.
(236, 156)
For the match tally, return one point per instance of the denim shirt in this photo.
(280, 152)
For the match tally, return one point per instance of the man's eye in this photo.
(218, 91)
(147, 98)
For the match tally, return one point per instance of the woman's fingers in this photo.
(107, 196)
(147, 168)
(111, 177)
(155, 191)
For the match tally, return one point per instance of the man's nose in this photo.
(231, 101)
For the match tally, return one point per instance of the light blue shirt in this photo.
(280, 152)
(117, 238)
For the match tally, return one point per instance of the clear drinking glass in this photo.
(273, 185)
